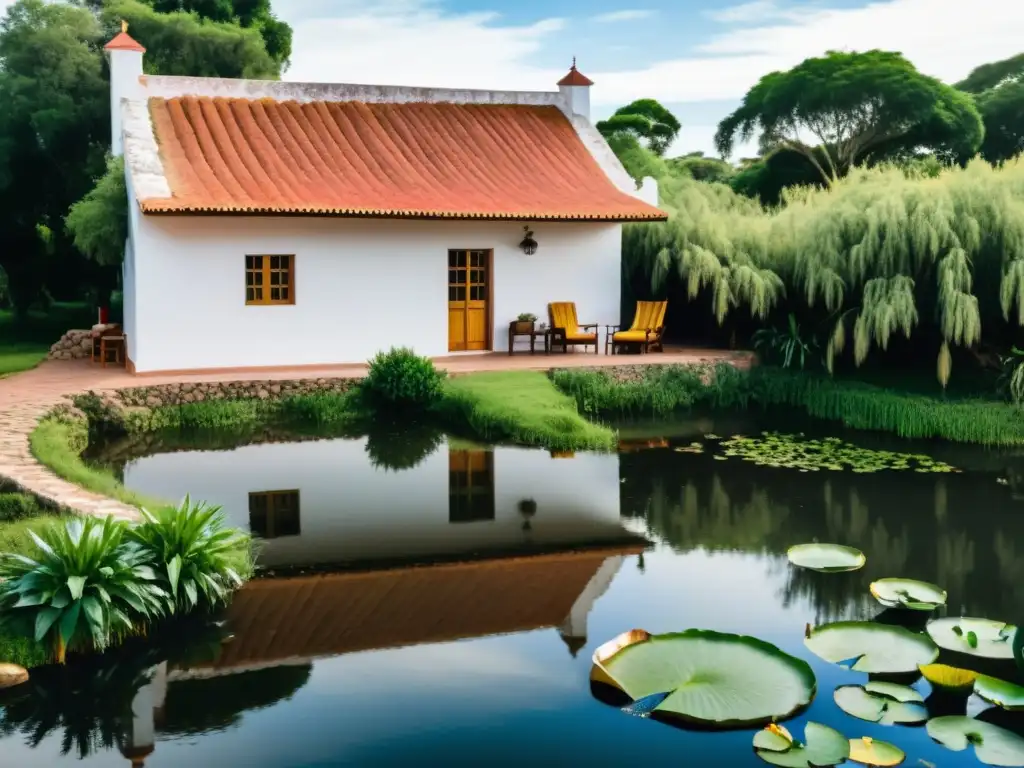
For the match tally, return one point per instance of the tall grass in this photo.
(855, 404)
(325, 408)
(884, 252)
(522, 407)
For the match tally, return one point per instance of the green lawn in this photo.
(523, 407)
(24, 344)
(59, 445)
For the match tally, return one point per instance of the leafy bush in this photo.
(401, 380)
(19, 506)
(198, 561)
(87, 585)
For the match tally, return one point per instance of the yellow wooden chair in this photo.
(646, 330)
(565, 328)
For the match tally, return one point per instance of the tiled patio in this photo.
(25, 397)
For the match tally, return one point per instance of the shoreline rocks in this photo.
(12, 675)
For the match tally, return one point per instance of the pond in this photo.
(428, 600)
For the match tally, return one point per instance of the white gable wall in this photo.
(361, 285)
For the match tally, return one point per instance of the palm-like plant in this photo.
(199, 559)
(1011, 376)
(788, 346)
(87, 586)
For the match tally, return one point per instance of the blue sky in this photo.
(698, 57)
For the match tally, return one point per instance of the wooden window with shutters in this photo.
(273, 514)
(269, 279)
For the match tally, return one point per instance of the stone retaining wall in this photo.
(628, 373)
(73, 345)
(178, 394)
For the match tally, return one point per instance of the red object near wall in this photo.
(104, 315)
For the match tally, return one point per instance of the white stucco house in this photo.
(277, 224)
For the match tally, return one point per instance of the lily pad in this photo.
(773, 449)
(976, 637)
(882, 703)
(823, 746)
(992, 745)
(1000, 692)
(827, 558)
(706, 677)
(864, 646)
(947, 678)
(877, 753)
(908, 593)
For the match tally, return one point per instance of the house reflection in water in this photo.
(322, 502)
(466, 544)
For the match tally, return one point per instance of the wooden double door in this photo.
(470, 282)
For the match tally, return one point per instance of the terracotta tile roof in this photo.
(575, 77)
(123, 42)
(331, 614)
(393, 160)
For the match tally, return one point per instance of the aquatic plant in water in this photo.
(1003, 694)
(827, 558)
(87, 585)
(699, 676)
(823, 746)
(868, 751)
(951, 679)
(992, 745)
(864, 646)
(975, 637)
(908, 593)
(773, 449)
(882, 703)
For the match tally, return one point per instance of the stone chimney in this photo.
(125, 57)
(575, 87)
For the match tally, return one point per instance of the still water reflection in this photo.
(440, 605)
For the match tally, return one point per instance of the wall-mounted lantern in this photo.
(529, 245)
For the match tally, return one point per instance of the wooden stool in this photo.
(114, 345)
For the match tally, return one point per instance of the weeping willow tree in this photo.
(885, 251)
(714, 240)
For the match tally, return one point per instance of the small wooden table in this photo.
(533, 335)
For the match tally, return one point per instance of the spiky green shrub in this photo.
(789, 347)
(1011, 375)
(86, 586)
(885, 251)
(199, 561)
(400, 380)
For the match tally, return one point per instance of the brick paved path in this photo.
(25, 397)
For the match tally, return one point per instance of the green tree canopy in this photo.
(850, 104)
(645, 120)
(250, 14)
(999, 93)
(185, 43)
(53, 126)
(98, 222)
(701, 168)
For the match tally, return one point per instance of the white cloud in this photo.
(749, 13)
(613, 16)
(418, 42)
